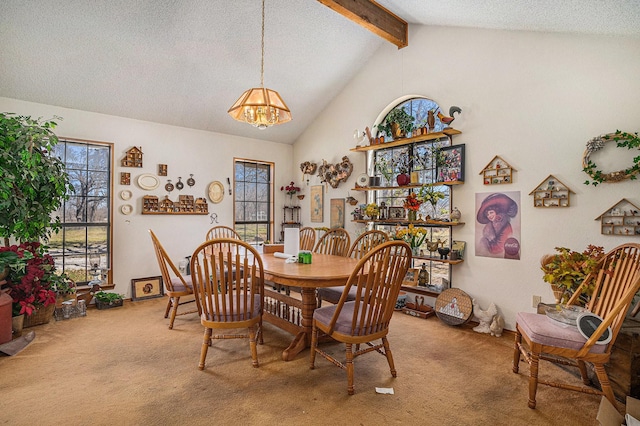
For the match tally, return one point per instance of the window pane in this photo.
(253, 189)
(89, 168)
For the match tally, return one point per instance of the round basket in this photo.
(39, 317)
(454, 306)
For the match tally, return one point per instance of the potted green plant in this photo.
(566, 270)
(106, 300)
(397, 123)
(34, 181)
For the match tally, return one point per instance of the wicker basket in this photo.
(108, 305)
(39, 317)
(454, 306)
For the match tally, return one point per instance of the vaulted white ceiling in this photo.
(184, 62)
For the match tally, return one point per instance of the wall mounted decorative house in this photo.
(551, 193)
(497, 171)
(133, 158)
(623, 218)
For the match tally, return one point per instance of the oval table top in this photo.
(325, 270)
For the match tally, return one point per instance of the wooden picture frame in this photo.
(125, 178)
(451, 164)
(146, 288)
(458, 247)
(336, 215)
(411, 279)
(396, 213)
(317, 203)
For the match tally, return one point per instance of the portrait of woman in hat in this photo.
(495, 213)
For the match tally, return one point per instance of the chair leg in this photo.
(533, 379)
(350, 388)
(169, 304)
(253, 346)
(387, 352)
(314, 344)
(174, 311)
(260, 335)
(205, 346)
(583, 373)
(516, 351)
(605, 384)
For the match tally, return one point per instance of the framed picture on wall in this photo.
(146, 288)
(337, 213)
(317, 203)
(451, 165)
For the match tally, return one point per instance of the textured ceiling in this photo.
(184, 62)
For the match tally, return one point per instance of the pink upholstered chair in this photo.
(615, 282)
(376, 279)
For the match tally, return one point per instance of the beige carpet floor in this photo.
(123, 366)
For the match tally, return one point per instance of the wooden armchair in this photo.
(228, 282)
(361, 246)
(335, 241)
(615, 282)
(177, 285)
(307, 238)
(377, 279)
(221, 232)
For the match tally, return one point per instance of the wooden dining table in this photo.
(296, 315)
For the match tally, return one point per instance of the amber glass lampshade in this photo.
(261, 108)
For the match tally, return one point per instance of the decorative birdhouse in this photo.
(551, 193)
(497, 171)
(623, 218)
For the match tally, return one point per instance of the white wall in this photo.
(535, 99)
(208, 156)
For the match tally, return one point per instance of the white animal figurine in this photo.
(484, 317)
(497, 325)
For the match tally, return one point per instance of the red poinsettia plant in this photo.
(31, 279)
(291, 188)
(412, 202)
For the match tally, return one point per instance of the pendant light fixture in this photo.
(260, 107)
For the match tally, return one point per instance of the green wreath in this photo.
(622, 139)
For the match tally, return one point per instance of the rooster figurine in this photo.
(448, 120)
(484, 317)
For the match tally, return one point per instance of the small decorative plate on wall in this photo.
(126, 209)
(125, 194)
(148, 181)
(216, 192)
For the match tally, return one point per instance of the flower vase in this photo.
(403, 179)
(412, 215)
(415, 251)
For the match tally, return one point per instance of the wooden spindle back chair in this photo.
(307, 238)
(335, 241)
(615, 282)
(377, 279)
(361, 246)
(176, 284)
(228, 282)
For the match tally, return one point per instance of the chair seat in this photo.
(345, 319)
(179, 287)
(333, 294)
(543, 330)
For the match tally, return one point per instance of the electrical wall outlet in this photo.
(535, 301)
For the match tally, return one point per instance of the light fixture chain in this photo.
(262, 64)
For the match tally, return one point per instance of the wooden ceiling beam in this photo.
(373, 17)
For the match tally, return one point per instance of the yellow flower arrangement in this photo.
(414, 236)
(372, 210)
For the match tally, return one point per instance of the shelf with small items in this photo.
(409, 186)
(623, 218)
(551, 193)
(445, 133)
(400, 222)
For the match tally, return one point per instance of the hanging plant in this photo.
(622, 140)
